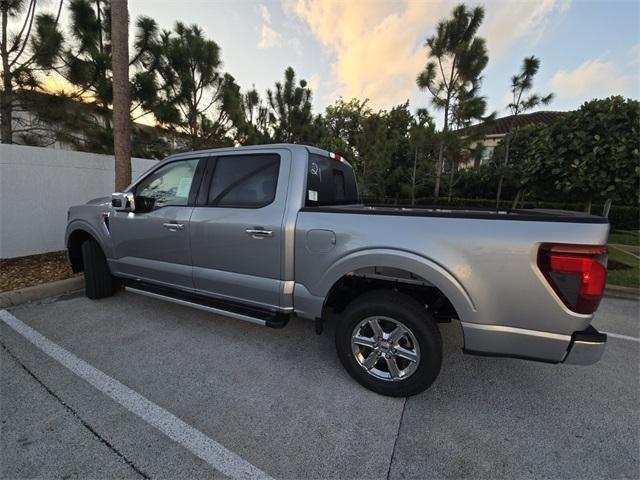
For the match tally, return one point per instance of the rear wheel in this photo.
(98, 281)
(389, 343)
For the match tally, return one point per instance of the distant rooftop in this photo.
(502, 126)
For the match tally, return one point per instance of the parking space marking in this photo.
(623, 337)
(196, 442)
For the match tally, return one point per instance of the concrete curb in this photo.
(622, 292)
(39, 292)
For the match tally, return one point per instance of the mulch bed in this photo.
(32, 270)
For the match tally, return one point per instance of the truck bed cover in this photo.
(531, 215)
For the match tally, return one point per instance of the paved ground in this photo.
(280, 400)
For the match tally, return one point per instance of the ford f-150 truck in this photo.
(264, 233)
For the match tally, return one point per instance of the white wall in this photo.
(38, 185)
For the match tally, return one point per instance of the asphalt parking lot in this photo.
(155, 390)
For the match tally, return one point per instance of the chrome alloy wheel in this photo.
(385, 348)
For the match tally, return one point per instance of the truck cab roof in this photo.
(249, 148)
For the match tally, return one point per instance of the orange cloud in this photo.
(54, 83)
(379, 46)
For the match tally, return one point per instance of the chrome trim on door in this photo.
(173, 226)
(255, 233)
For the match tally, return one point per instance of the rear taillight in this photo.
(577, 273)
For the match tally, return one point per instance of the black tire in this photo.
(405, 309)
(98, 281)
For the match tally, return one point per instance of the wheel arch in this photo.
(420, 267)
(77, 234)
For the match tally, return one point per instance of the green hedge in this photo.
(621, 218)
(624, 218)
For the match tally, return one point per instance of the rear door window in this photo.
(244, 181)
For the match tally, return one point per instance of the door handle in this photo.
(174, 227)
(259, 233)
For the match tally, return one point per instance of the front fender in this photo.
(416, 264)
(79, 224)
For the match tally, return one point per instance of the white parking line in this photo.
(196, 442)
(623, 337)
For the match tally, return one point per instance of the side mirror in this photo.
(123, 202)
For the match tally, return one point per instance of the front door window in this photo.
(169, 185)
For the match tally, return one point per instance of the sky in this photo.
(375, 48)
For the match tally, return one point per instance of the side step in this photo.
(229, 309)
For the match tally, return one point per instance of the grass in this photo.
(625, 237)
(623, 277)
(618, 275)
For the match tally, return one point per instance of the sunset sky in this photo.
(374, 49)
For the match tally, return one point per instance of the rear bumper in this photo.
(586, 347)
(581, 348)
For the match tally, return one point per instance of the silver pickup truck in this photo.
(265, 233)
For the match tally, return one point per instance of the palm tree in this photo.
(457, 58)
(121, 93)
(521, 85)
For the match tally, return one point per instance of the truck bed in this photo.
(531, 215)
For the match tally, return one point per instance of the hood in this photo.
(100, 201)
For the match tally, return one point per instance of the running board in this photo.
(241, 312)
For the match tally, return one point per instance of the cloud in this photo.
(595, 78)
(507, 22)
(265, 14)
(314, 82)
(269, 37)
(296, 45)
(378, 46)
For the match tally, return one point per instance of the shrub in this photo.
(591, 154)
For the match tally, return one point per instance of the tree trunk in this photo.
(451, 177)
(440, 165)
(500, 180)
(436, 190)
(506, 161)
(413, 178)
(607, 208)
(514, 205)
(6, 96)
(587, 208)
(121, 93)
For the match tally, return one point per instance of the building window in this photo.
(487, 155)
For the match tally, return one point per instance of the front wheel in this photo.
(389, 343)
(98, 281)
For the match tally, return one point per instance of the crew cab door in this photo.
(154, 245)
(236, 227)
